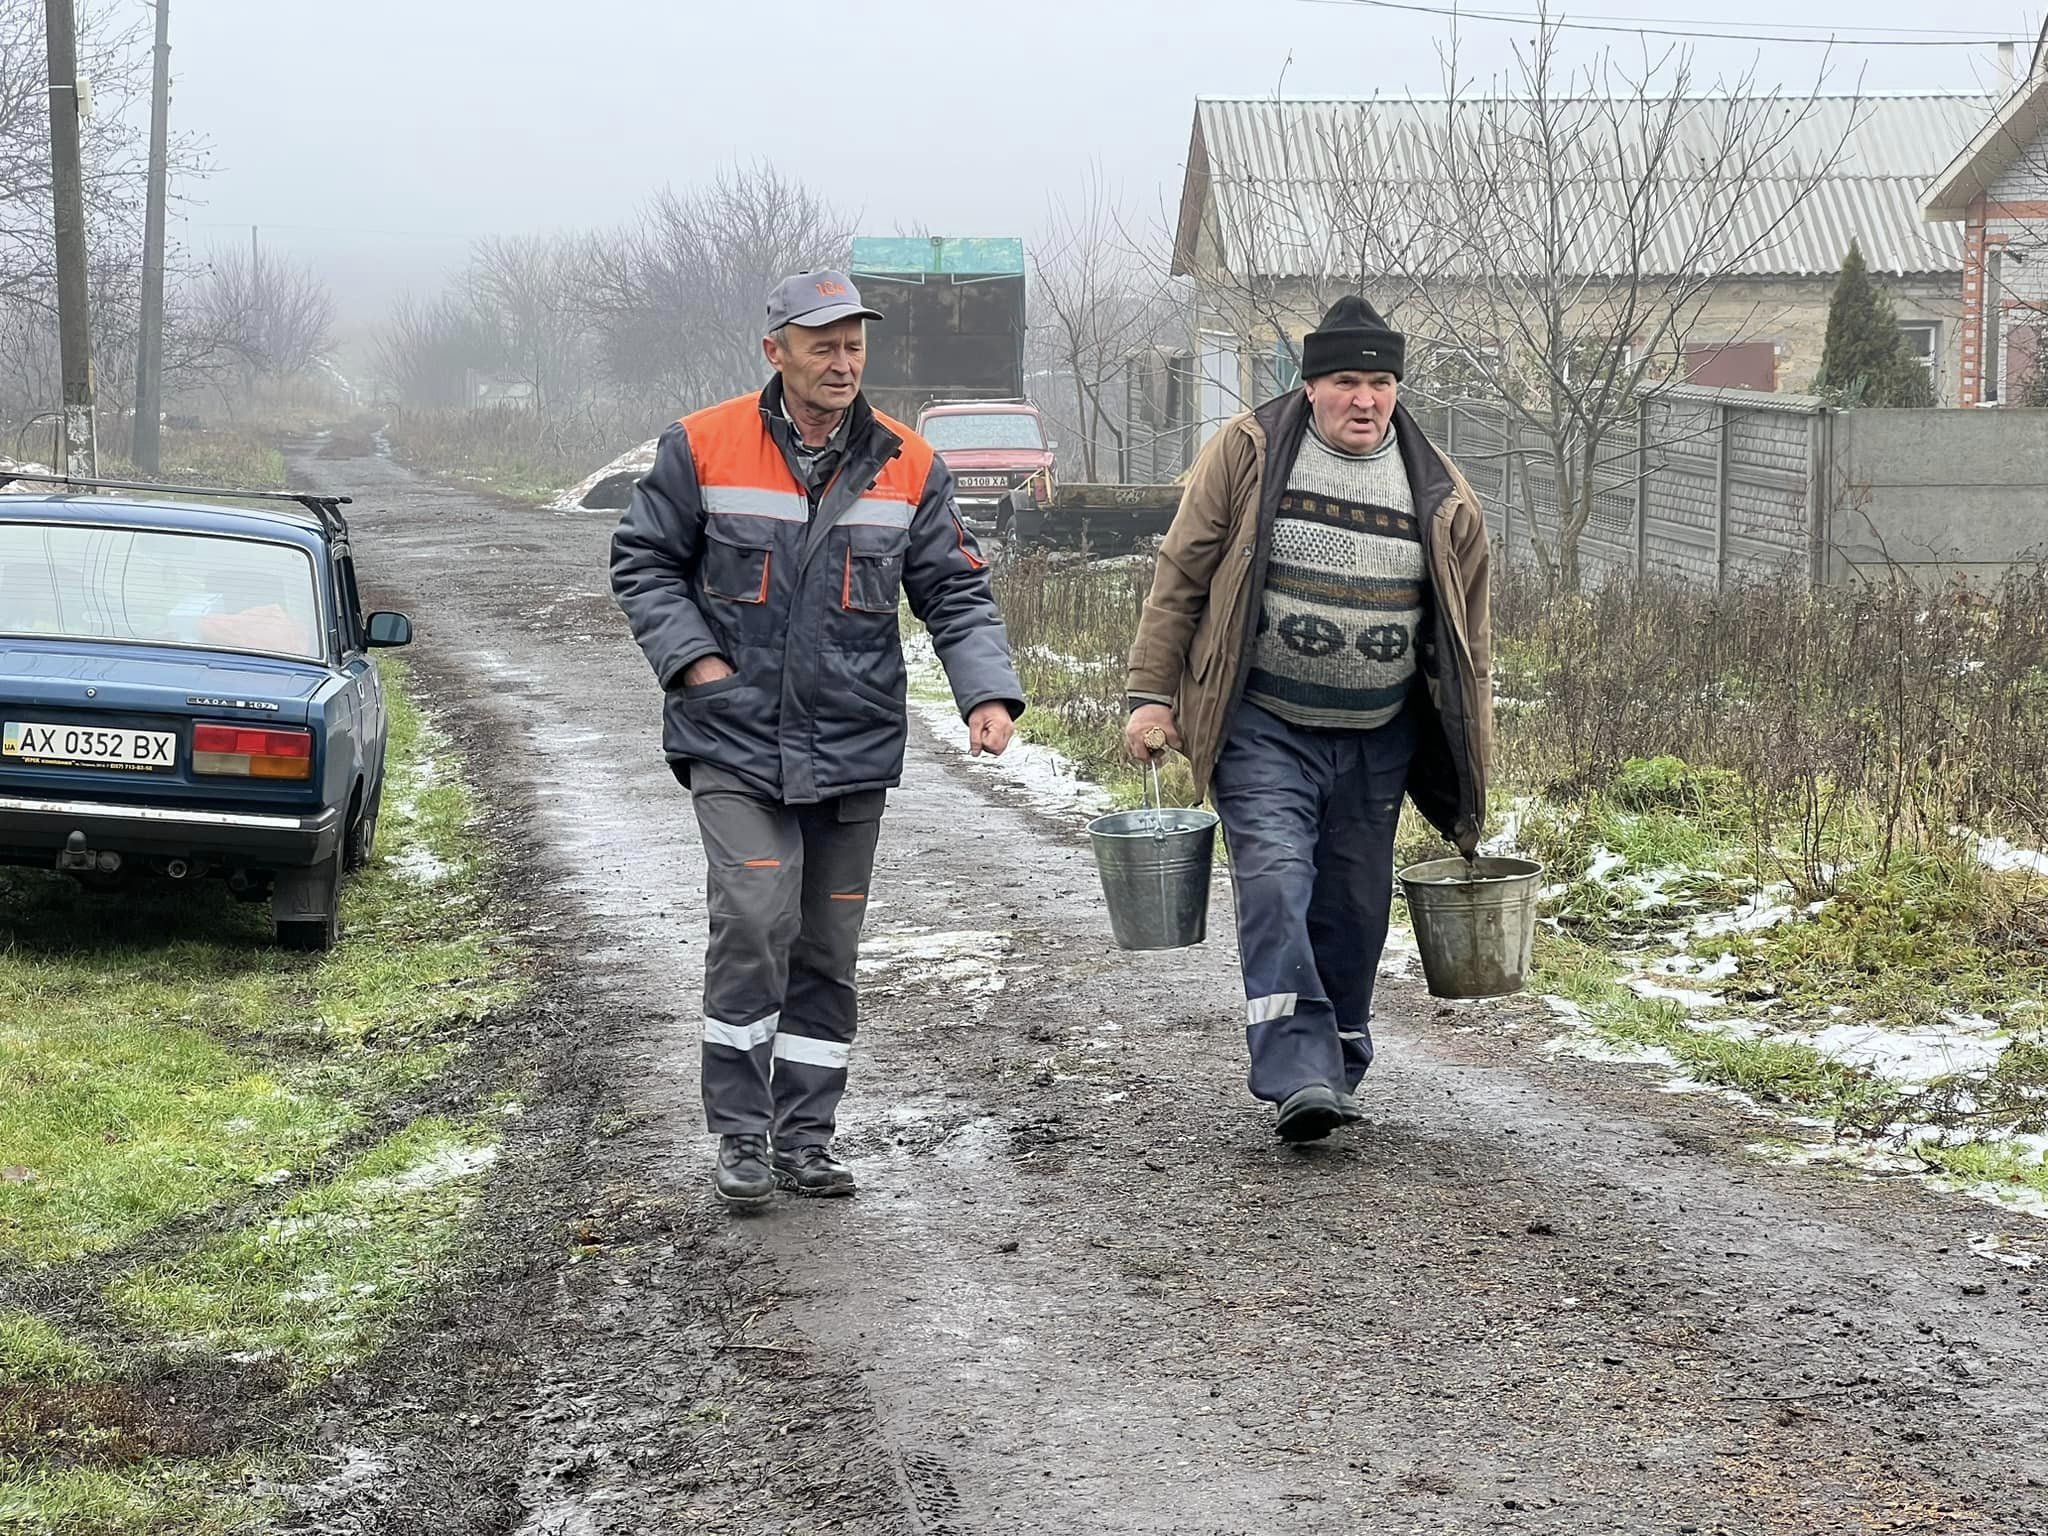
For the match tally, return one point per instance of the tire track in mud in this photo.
(1083, 1290)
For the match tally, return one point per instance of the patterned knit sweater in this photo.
(1345, 589)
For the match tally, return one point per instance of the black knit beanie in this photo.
(1353, 337)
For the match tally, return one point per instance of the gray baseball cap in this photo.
(816, 298)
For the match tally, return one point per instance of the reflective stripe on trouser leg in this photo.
(753, 854)
(1267, 789)
(1347, 918)
(820, 1010)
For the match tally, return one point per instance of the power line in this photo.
(1696, 30)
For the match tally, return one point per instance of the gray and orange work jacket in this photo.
(724, 551)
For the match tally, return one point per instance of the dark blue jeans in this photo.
(1310, 817)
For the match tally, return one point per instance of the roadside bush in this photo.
(1885, 714)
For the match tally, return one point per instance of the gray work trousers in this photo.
(788, 888)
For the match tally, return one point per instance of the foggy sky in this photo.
(378, 137)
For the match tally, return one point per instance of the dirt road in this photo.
(1084, 1290)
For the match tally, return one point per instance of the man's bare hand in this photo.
(706, 669)
(989, 730)
(1145, 719)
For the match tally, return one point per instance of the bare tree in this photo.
(677, 300)
(114, 54)
(431, 346)
(1579, 224)
(1101, 303)
(532, 293)
(1548, 241)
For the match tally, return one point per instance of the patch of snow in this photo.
(420, 865)
(1508, 839)
(1912, 1056)
(275, 1177)
(1588, 1045)
(1605, 862)
(1765, 910)
(1696, 969)
(1987, 1245)
(560, 1516)
(23, 467)
(634, 461)
(442, 1166)
(1685, 997)
(1046, 778)
(1400, 957)
(1996, 854)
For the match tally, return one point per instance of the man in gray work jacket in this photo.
(761, 565)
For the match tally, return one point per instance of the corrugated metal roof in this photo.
(1293, 182)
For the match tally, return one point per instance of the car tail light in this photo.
(252, 752)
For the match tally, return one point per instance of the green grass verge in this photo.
(160, 1056)
(1903, 945)
(322, 1280)
(154, 1500)
(161, 1062)
(36, 1353)
(1772, 1071)
(230, 458)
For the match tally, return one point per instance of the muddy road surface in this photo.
(1083, 1290)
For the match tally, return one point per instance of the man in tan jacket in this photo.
(1317, 642)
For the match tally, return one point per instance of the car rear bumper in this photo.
(37, 830)
(982, 512)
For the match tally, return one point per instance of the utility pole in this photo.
(149, 363)
(67, 180)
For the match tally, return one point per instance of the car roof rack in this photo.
(326, 509)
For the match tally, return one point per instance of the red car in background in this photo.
(999, 455)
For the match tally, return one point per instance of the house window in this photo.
(1923, 339)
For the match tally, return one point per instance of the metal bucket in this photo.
(1475, 923)
(1155, 875)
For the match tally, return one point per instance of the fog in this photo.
(378, 139)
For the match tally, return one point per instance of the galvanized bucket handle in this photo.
(1155, 745)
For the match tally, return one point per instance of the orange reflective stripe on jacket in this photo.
(743, 473)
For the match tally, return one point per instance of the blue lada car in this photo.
(186, 693)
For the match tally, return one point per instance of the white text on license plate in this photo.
(96, 745)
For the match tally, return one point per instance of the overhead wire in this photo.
(1636, 26)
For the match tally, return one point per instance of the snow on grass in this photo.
(1688, 999)
(21, 467)
(442, 1166)
(2002, 857)
(1047, 779)
(419, 864)
(1913, 1057)
(1696, 969)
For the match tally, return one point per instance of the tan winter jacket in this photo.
(1193, 648)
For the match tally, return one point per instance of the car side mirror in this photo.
(386, 629)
